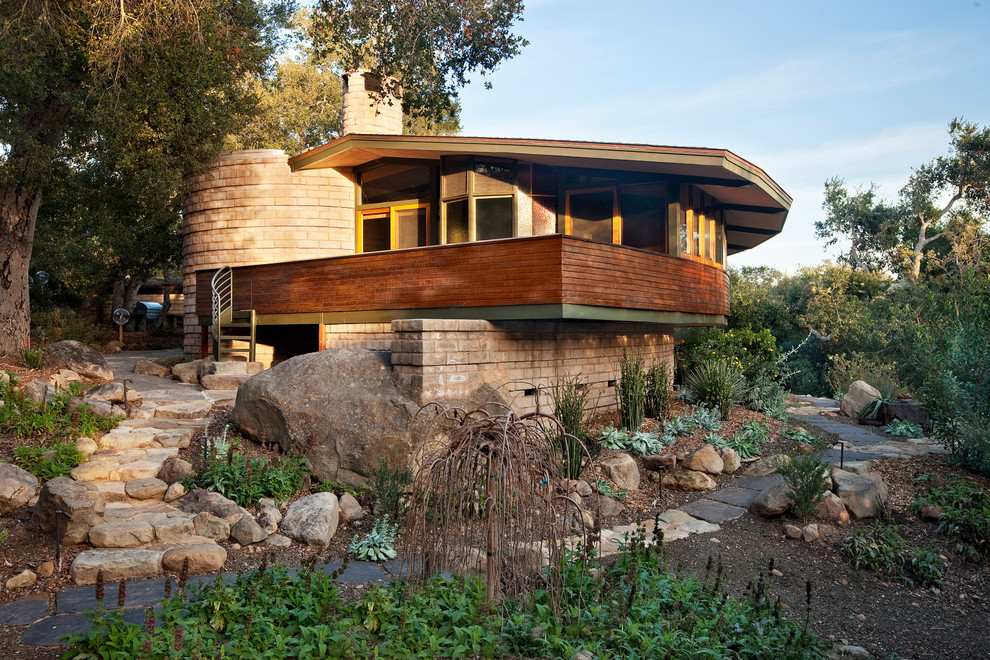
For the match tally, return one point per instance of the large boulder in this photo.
(773, 500)
(339, 408)
(81, 359)
(687, 481)
(199, 500)
(864, 495)
(17, 486)
(704, 459)
(82, 501)
(622, 471)
(312, 519)
(860, 393)
(113, 393)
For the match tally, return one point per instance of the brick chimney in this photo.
(367, 110)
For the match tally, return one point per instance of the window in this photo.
(593, 214)
(702, 229)
(632, 211)
(394, 227)
(478, 199)
(644, 216)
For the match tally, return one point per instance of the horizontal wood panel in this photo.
(551, 269)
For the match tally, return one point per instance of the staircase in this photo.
(232, 329)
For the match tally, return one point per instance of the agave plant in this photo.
(716, 383)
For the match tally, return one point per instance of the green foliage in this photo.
(605, 488)
(4, 536)
(716, 383)
(768, 397)
(388, 37)
(965, 515)
(330, 486)
(872, 409)
(750, 352)
(570, 400)
(805, 475)
(641, 443)
(51, 419)
(799, 434)
(378, 544)
(388, 485)
(245, 479)
(705, 418)
(34, 358)
(846, 369)
(679, 426)
(51, 324)
(47, 462)
(658, 392)
(882, 549)
(630, 392)
(747, 440)
(903, 429)
(633, 607)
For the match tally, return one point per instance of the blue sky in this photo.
(806, 90)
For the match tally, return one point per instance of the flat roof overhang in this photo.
(755, 206)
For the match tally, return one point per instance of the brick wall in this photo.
(449, 359)
(251, 209)
(370, 336)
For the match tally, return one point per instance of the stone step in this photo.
(188, 410)
(205, 556)
(127, 438)
(126, 465)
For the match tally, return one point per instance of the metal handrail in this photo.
(222, 297)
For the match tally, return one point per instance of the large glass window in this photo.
(702, 228)
(395, 183)
(394, 212)
(592, 214)
(478, 199)
(394, 228)
(644, 216)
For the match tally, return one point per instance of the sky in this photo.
(807, 91)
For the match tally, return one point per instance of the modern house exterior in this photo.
(506, 261)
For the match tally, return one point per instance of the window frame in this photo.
(393, 226)
(616, 217)
(471, 196)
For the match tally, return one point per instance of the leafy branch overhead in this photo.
(429, 46)
(940, 200)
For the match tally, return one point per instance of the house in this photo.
(500, 260)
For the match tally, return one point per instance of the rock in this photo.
(863, 495)
(146, 489)
(853, 652)
(176, 469)
(116, 565)
(313, 519)
(203, 558)
(653, 462)
(687, 481)
(198, 500)
(567, 485)
(831, 508)
(587, 520)
(231, 368)
(653, 477)
(81, 359)
(122, 534)
(860, 393)
(764, 466)
(792, 531)
(269, 517)
(172, 530)
(23, 579)
(86, 445)
(211, 527)
(278, 541)
(222, 381)
(58, 381)
(350, 508)
(810, 533)
(46, 569)
(188, 410)
(187, 372)
(730, 460)
(908, 411)
(100, 408)
(82, 501)
(829, 533)
(38, 391)
(773, 500)
(114, 393)
(174, 492)
(583, 488)
(622, 471)
(17, 486)
(704, 459)
(932, 512)
(609, 506)
(247, 530)
(344, 399)
(152, 368)
(699, 527)
(113, 347)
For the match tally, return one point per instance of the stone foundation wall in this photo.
(449, 359)
(370, 336)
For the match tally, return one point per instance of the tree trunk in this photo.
(18, 215)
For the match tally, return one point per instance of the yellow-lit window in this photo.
(394, 227)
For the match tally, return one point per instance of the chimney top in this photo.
(368, 107)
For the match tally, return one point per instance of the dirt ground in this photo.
(847, 605)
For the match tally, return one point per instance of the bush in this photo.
(768, 397)
(902, 429)
(846, 369)
(630, 392)
(570, 399)
(25, 418)
(753, 353)
(747, 440)
(716, 383)
(34, 358)
(244, 479)
(881, 549)
(56, 324)
(658, 390)
(805, 475)
(641, 443)
(48, 462)
(388, 485)
(965, 515)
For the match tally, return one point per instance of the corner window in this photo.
(394, 228)
(478, 199)
(702, 229)
(633, 215)
(396, 198)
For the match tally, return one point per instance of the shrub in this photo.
(48, 462)
(847, 368)
(378, 544)
(679, 426)
(656, 404)
(753, 353)
(706, 418)
(804, 474)
(716, 383)
(903, 429)
(34, 358)
(630, 391)
(881, 549)
(605, 488)
(747, 440)
(388, 486)
(768, 397)
(244, 479)
(641, 443)
(56, 324)
(25, 418)
(570, 399)
(965, 515)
